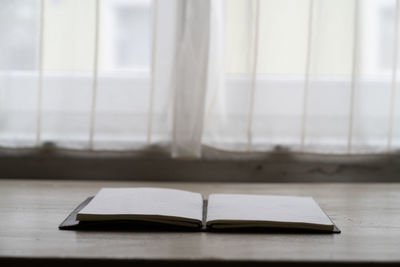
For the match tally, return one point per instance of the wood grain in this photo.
(367, 214)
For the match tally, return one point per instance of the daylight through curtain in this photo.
(237, 75)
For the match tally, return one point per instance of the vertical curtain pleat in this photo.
(256, 29)
(354, 76)
(190, 78)
(392, 107)
(95, 74)
(307, 75)
(216, 70)
(153, 72)
(40, 78)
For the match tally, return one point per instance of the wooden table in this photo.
(367, 214)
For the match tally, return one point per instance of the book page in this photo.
(266, 210)
(126, 203)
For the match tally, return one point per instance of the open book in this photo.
(187, 210)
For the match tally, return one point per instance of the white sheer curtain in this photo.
(237, 75)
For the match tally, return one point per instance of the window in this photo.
(309, 75)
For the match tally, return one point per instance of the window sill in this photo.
(155, 164)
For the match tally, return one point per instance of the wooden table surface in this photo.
(367, 214)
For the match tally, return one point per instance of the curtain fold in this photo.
(310, 76)
(190, 77)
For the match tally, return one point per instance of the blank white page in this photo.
(265, 208)
(145, 201)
